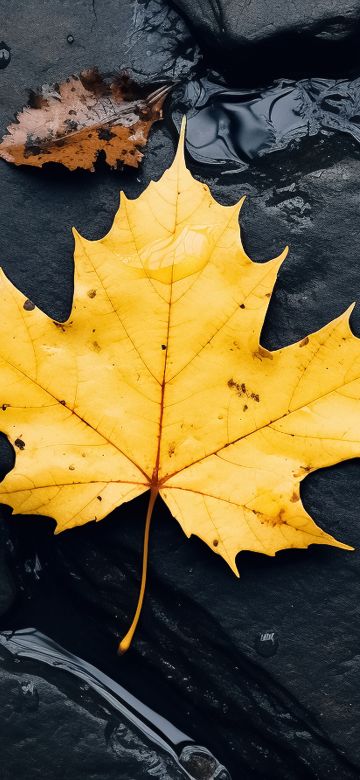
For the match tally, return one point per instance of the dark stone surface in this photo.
(293, 37)
(7, 587)
(291, 714)
(257, 20)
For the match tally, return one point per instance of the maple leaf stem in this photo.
(126, 641)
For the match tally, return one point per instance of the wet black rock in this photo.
(262, 671)
(7, 586)
(289, 37)
(258, 20)
(160, 45)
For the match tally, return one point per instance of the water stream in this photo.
(196, 762)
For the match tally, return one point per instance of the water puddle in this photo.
(234, 127)
(195, 762)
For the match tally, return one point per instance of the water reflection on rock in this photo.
(236, 126)
(144, 743)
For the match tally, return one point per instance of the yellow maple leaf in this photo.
(158, 382)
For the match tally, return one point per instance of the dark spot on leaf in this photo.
(20, 444)
(91, 294)
(215, 542)
(99, 498)
(245, 407)
(71, 468)
(262, 353)
(280, 517)
(304, 342)
(163, 346)
(295, 497)
(32, 148)
(105, 134)
(63, 403)
(171, 449)
(4, 407)
(28, 305)
(242, 305)
(242, 390)
(96, 346)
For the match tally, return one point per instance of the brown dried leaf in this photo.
(72, 122)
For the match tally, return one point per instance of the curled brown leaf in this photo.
(70, 123)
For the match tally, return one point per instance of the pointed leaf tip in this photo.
(180, 152)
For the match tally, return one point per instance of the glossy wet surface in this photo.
(233, 127)
(177, 756)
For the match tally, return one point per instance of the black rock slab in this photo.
(262, 671)
(291, 37)
(7, 586)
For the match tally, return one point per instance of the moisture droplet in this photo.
(5, 55)
(70, 39)
(267, 643)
